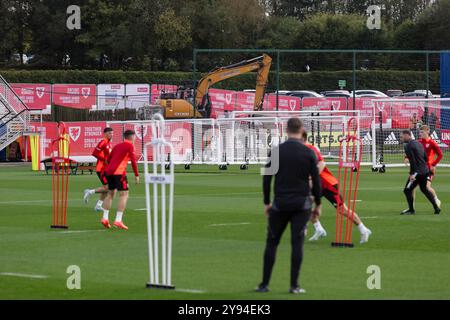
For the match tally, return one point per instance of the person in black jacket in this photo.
(419, 173)
(296, 167)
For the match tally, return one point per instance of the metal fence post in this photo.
(427, 71)
(194, 81)
(278, 76)
(354, 80)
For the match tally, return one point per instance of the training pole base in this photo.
(59, 227)
(342, 245)
(160, 286)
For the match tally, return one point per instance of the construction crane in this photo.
(184, 104)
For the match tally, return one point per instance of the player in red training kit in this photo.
(330, 190)
(434, 156)
(101, 152)
(116, 176)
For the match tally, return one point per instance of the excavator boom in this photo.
(260, 64)
(199, 105)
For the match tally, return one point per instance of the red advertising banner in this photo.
(403, 112)
(285, 103)
(79, 96)
(244, 101)
(366, 109)
(178, 133)
(36, 96)
(49, 132)
(83, 136)
(221, 101)
(324, 104)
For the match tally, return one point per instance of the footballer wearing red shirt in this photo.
(434, 156)
(330, 190)
(101, 153)
(116, 176)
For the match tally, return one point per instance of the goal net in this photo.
(248, 140)
(242, 140)
(193, 140)
(392, 116)
(325, 128)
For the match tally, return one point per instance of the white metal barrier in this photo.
(159, 178)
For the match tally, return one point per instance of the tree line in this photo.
(159, 35)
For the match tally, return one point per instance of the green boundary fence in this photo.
(419, 60)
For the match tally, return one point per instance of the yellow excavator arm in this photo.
(180, 107)
(261, 64)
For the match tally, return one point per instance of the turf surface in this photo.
(218, 242)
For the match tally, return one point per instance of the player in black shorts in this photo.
(419, 173)
(116, 182)
(332, 195)
(101, 176)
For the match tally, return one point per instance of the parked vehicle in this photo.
(419, 94)
(367, 96)
(394, 93)
(336, 94)
(305, 94)
(359, 93)
(282, 92)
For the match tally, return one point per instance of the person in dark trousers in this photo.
(296, 166)
(419, 173)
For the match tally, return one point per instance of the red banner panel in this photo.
(221, 101)
(79, 96)
(36, 96)
(403, 112)
(83, 136)
(285, 103)
(324, 104)
(244, 101)
(49, 132)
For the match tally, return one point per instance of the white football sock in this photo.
(119, 215)
(317, 225)
(99, 203)
(105, 214)
(91, 191)
(362, 228)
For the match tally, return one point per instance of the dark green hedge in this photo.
(60, 113)
(318, 80)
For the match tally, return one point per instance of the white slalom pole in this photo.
(170, 231)
(155, 211)
(163, 215)
(160, 214)
(149, 220)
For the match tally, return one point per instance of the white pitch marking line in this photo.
(229, 224)
(190, 290)
(142, 209)
(23, 275)
(24, 201)
(356, 200)
(373, 217)
(80, 231)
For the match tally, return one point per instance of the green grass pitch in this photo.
(219, 231)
